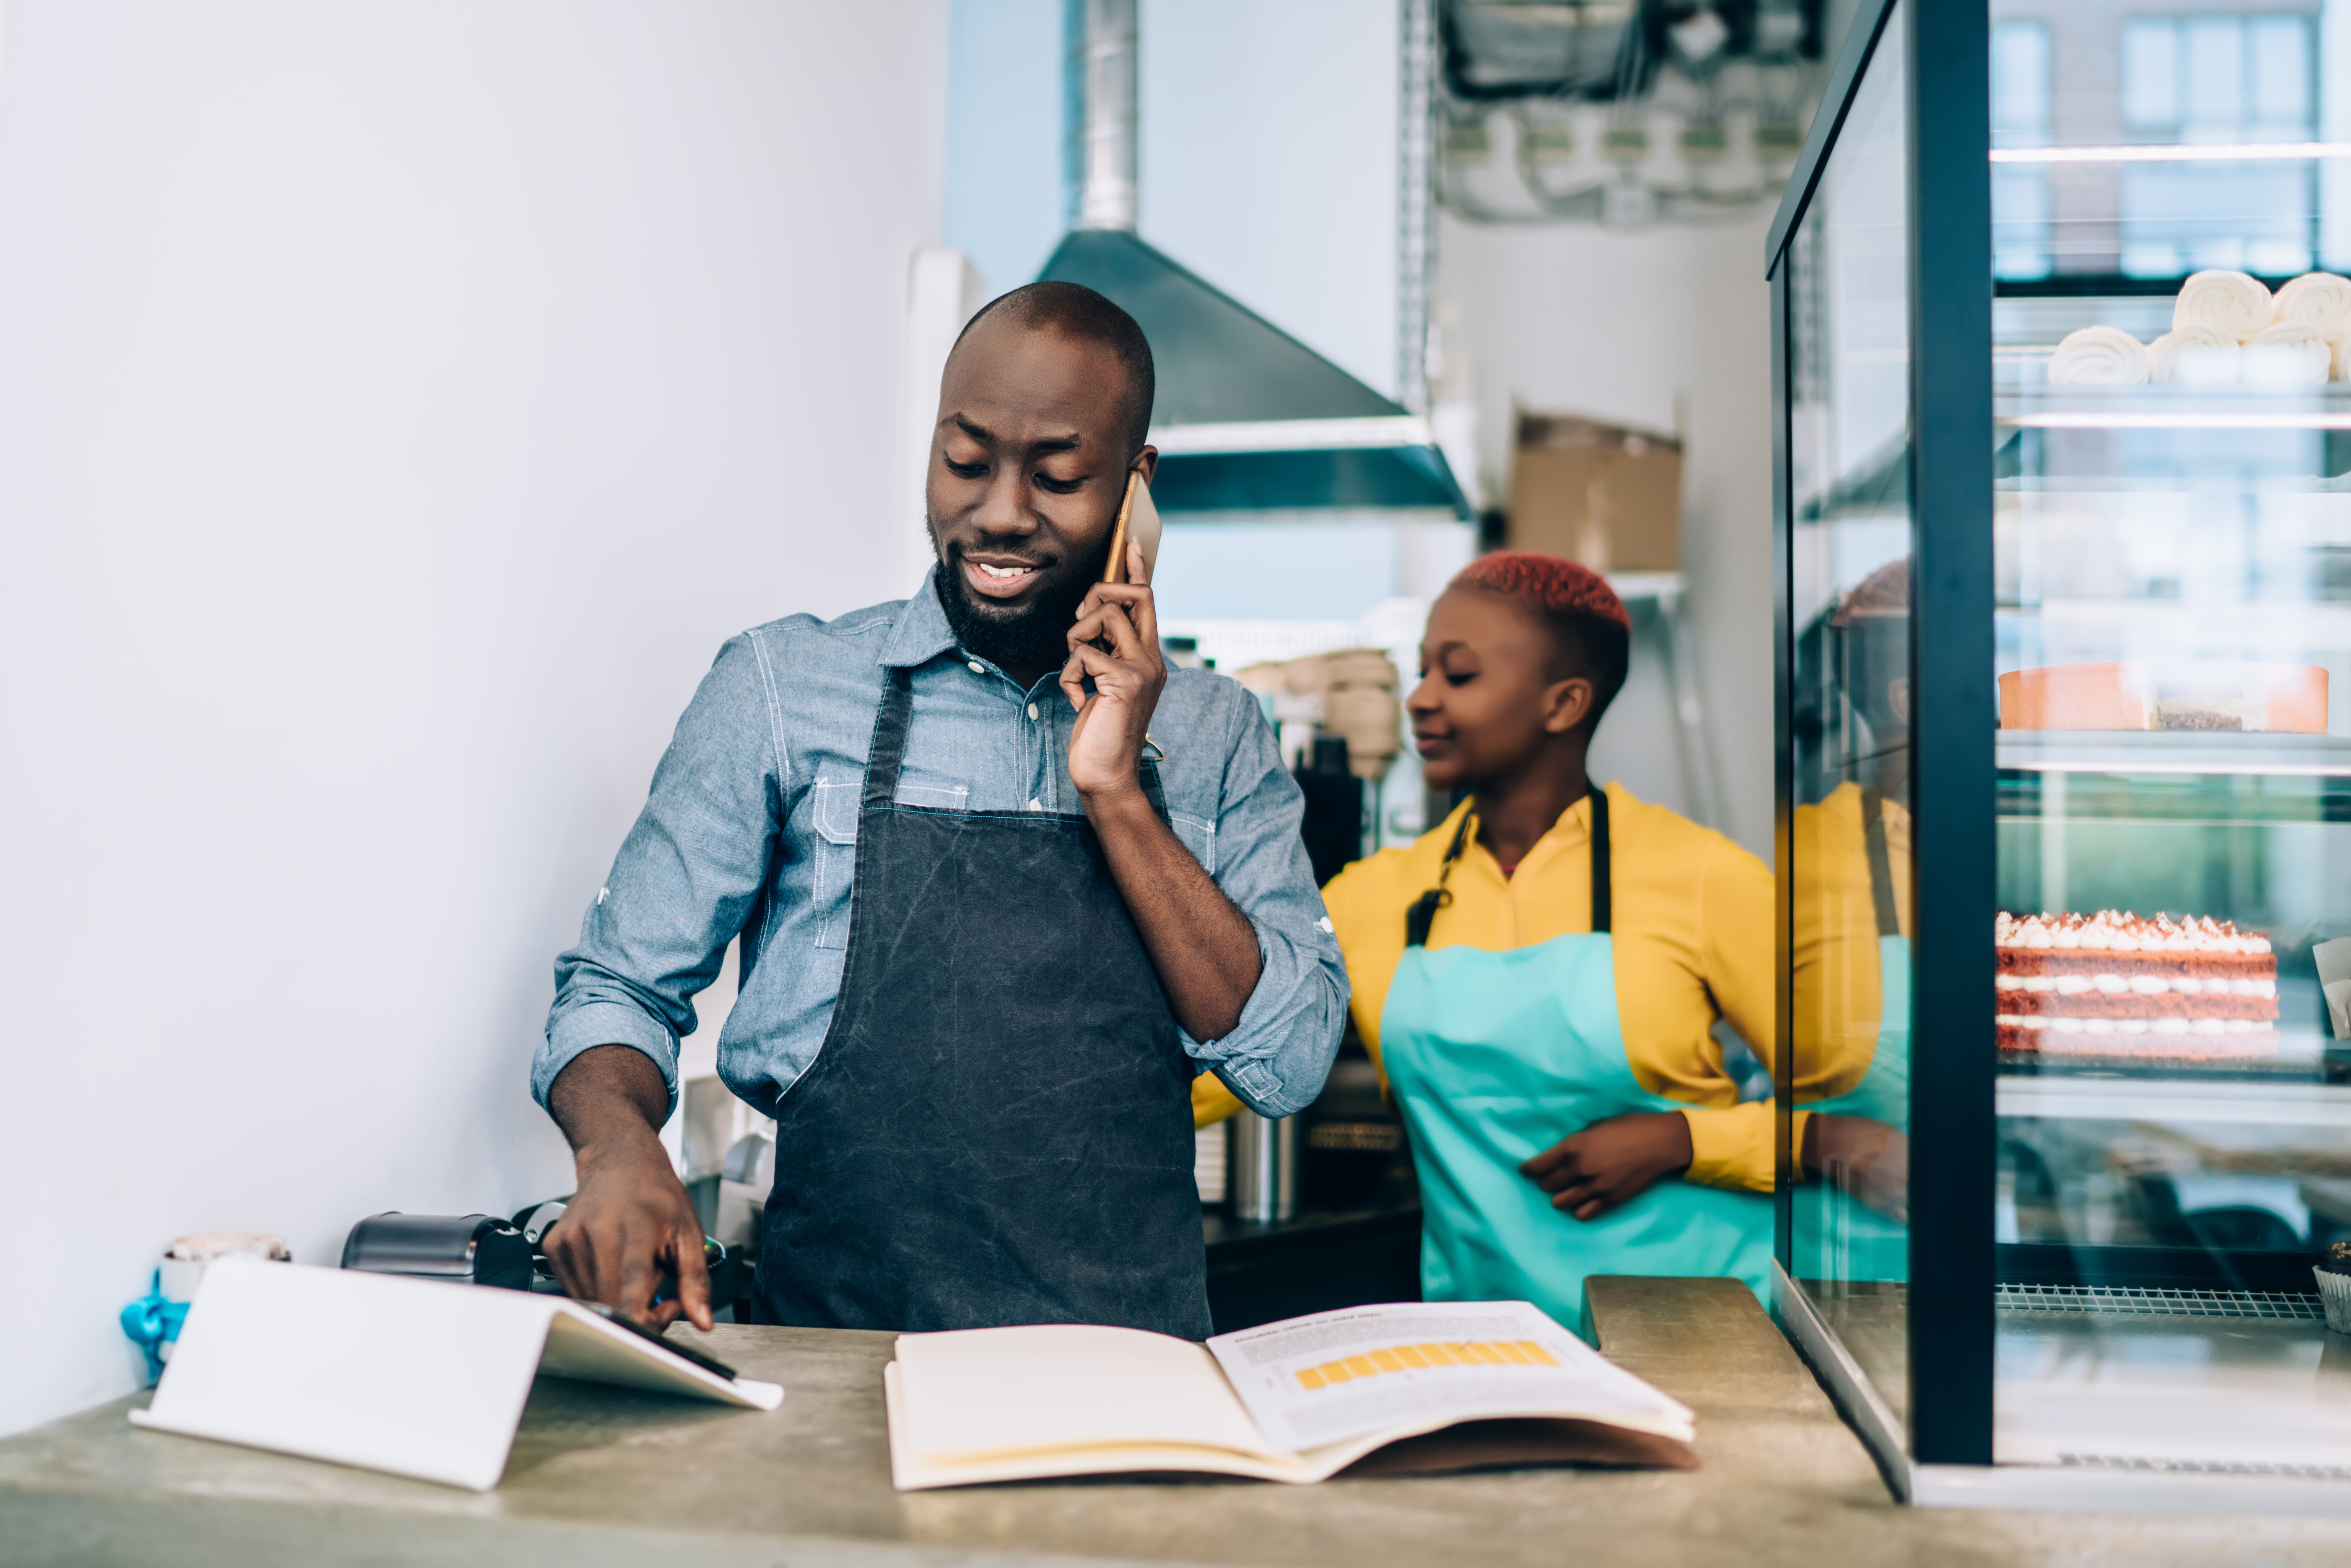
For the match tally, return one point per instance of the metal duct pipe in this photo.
(1099, 85)
(1416, 228)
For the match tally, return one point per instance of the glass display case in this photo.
(2064, 527)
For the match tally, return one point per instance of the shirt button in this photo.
(1032, 710)
(977, 668)
(1036, 805)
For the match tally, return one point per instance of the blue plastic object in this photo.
(150, 1321)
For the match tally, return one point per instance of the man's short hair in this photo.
(1582, 613)
(1076, 311)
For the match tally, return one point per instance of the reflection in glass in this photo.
(2020, 91)
(1848, 1062)
(2103, 73)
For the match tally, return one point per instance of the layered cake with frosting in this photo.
(2194, 693)
(2111, 984)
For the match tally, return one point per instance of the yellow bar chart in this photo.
(1421, 1357)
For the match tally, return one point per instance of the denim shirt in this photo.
(751, 832)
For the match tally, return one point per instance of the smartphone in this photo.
(702, 1359)
(1138, 523)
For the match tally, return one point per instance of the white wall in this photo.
(1268, 155)
(1629, 327)
(399, 403)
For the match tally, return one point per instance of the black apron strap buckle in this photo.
(1422, 914)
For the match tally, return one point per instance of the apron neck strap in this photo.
(887, 753)
(1422, 915)
(1881, 864)
(1602, 915)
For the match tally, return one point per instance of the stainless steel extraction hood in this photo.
(1247, 419)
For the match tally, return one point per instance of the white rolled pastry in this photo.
(2319, 298)
(2289, 354)
(2235, 302)
(2194, 357)
(2098, 357)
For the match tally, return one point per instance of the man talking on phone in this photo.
(1004, 883)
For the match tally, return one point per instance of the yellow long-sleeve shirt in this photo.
(1836, 992)
(1692, 919)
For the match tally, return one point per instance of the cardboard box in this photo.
(1598, 494)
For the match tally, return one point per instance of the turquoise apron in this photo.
(1494, 1058)
(1836, 1237)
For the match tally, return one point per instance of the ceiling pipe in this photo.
(1416, 224)
(1099, 78)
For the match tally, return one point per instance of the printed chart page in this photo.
(1360, 1371)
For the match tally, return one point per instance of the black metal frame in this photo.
(1953, 1130)
(1783, 768)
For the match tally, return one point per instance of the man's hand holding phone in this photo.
(1115, 642)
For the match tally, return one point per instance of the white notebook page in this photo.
(998, 1391)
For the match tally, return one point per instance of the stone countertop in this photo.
(606, 1476)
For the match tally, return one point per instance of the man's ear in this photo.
(1148, 461)
(1565, 704)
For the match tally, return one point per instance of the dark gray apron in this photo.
(999, 1128)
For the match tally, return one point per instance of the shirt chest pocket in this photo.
(833, 812)
(1192, 813)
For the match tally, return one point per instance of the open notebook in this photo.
(1415, 1387)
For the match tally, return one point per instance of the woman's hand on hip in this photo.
(1106, 743)
(1612, 1162)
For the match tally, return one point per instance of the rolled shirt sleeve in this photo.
(1737, 1147)
(685, 881)
(1276, 1056)
(1733, 1146)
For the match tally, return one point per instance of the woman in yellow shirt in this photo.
(1538, 976)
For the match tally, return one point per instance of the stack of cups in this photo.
(1359, 700)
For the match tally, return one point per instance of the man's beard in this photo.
(1035, 636)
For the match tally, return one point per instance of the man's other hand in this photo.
(630, 1221)
(1612, 1162)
